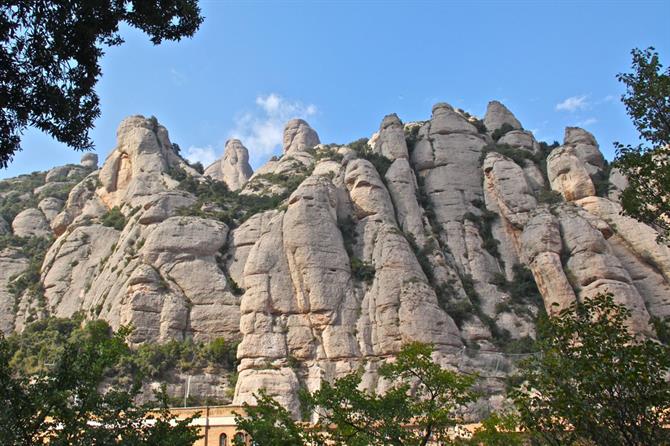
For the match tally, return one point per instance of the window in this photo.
(223, 440)
(240, 437)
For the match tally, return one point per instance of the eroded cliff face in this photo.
(449, 231)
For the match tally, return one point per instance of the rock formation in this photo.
(330, 257)
(298, 136)
(233, 169)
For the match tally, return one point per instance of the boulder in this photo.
(31, 223)
(50, 207)
(57, 174)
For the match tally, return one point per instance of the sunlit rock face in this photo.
(233, 169)
(330, 257)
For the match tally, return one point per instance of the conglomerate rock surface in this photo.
(330, 257)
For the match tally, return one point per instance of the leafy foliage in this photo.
(380, 162)
(499, 429)
(647, 101)
(157, 360)
(502, 131)
(594, 382)
(49, 60)
(484, 222)
(522, 289)
(362, 270)
(420, 407)
(57, 402)
(34, 248)
(16, 194)
(519, 156)
(43, 341)
(216, 201)
(114, 218)
(662, 329)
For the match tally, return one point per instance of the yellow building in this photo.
(217, 424)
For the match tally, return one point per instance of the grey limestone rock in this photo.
(31, 223)
(298, 136)
(497, 115)
(233, 169)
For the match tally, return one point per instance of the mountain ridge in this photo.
(455, 231)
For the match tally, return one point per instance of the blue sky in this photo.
(344, 65)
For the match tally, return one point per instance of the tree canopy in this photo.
(647, 166)
(49, 60)
(61, 401)
(419, 407)
(594, 382)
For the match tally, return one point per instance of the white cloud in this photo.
(177, 77)
(261, 131)
(205, 155)
(587, 122)
(573, 104)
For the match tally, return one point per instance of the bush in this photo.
(34, 248)
(522, 290)
(234, 287)
(484, 223)
(549, 197)
(411, 137)
(519, 156)
(502, 131)
(227, 206)
(327, 153)
(460, 311)
(520, 346)
(114, 218)
(362, 270)
(662, 329)
(198, 167)
(380, 162)
(347, 227)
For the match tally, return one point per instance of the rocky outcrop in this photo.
(89, 160)
(31, 223)
(140, 164)
(12, 263)
(391, 140)
(82, 204)
(298, 136)
(568, 175)
(233, 169)
(584, 146)
(332, 257)
(542, 251)
(297, 162)
(497, 115)
(618, 183)
(50, 207)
